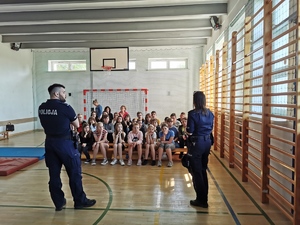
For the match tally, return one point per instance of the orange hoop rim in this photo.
(108, 68)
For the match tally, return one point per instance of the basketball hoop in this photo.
(107, 69)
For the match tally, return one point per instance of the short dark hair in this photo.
(105, 116)
(53, 86)
(172, 114)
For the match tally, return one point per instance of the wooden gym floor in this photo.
(132, 195)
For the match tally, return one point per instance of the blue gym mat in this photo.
(22, 152)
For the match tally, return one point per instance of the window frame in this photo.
(70, 63)
(168, 61)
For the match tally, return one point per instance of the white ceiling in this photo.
(104, 23)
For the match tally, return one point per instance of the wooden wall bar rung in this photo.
(254, 130)
(274, 201)
(257, 23)
(253, 51)
(283, 164)
(284, 46)
(288, 179)
(281, 117)
(281, 139)
(279, 198)
(252, 180)
(293, 106)
(256, 77)
(274, 148)
(282, 187)
(237, 161)
(285, 129)
(254, 121)
(249, 19)
(284, 58)
(284, 70)
(254, 113)
(238, 146)
(282, 34)
(240, 39)
(257, 60)
(284, 82)
(254, 139)
(283, 93)
(252, 172)
(253, 148)
(277, 5)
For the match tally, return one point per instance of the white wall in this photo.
(16, 87)
(169, 91)
(234, 7)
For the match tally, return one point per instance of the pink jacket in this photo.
(132, 137)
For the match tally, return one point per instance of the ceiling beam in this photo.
(15, 2)
(107, 27)
(106, 36)
(112, 44)
(111, 15)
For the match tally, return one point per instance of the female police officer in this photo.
(56, 116)
(199, 127)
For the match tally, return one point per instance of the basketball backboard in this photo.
(117, 58)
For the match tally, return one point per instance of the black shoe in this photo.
(62, 207)
(145, 162)
(153, 163)
(88, 203)
(196, 203)
(180, 155)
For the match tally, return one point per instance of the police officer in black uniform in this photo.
(56, 116)
(199, 126)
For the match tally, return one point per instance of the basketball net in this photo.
(107, 69)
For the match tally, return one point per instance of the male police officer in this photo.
(56, 116)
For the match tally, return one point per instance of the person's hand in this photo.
(83, 144)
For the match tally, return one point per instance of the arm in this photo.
(115, 138)
(153, 138)
(104, 140)
(148, 138)
(190, 124)
(75, 123)
(96, 138)
(140, 135)
(170, 139)
(129, 138)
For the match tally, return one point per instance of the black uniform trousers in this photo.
(199, 148)
(60, 152)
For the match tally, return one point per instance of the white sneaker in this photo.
(122, 162)
(170, 164)
(159, 163)
(87, 161)
(93, 162)
(114, 162)
(129, 163)
(104, 162)
(139, 163)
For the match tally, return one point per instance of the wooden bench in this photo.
(110, 151)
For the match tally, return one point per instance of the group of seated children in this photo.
(96, 134)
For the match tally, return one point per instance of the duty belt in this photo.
(62, 137)
(196, 138)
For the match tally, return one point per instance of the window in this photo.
(66, 65)
(132, 64)
(168, 64)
